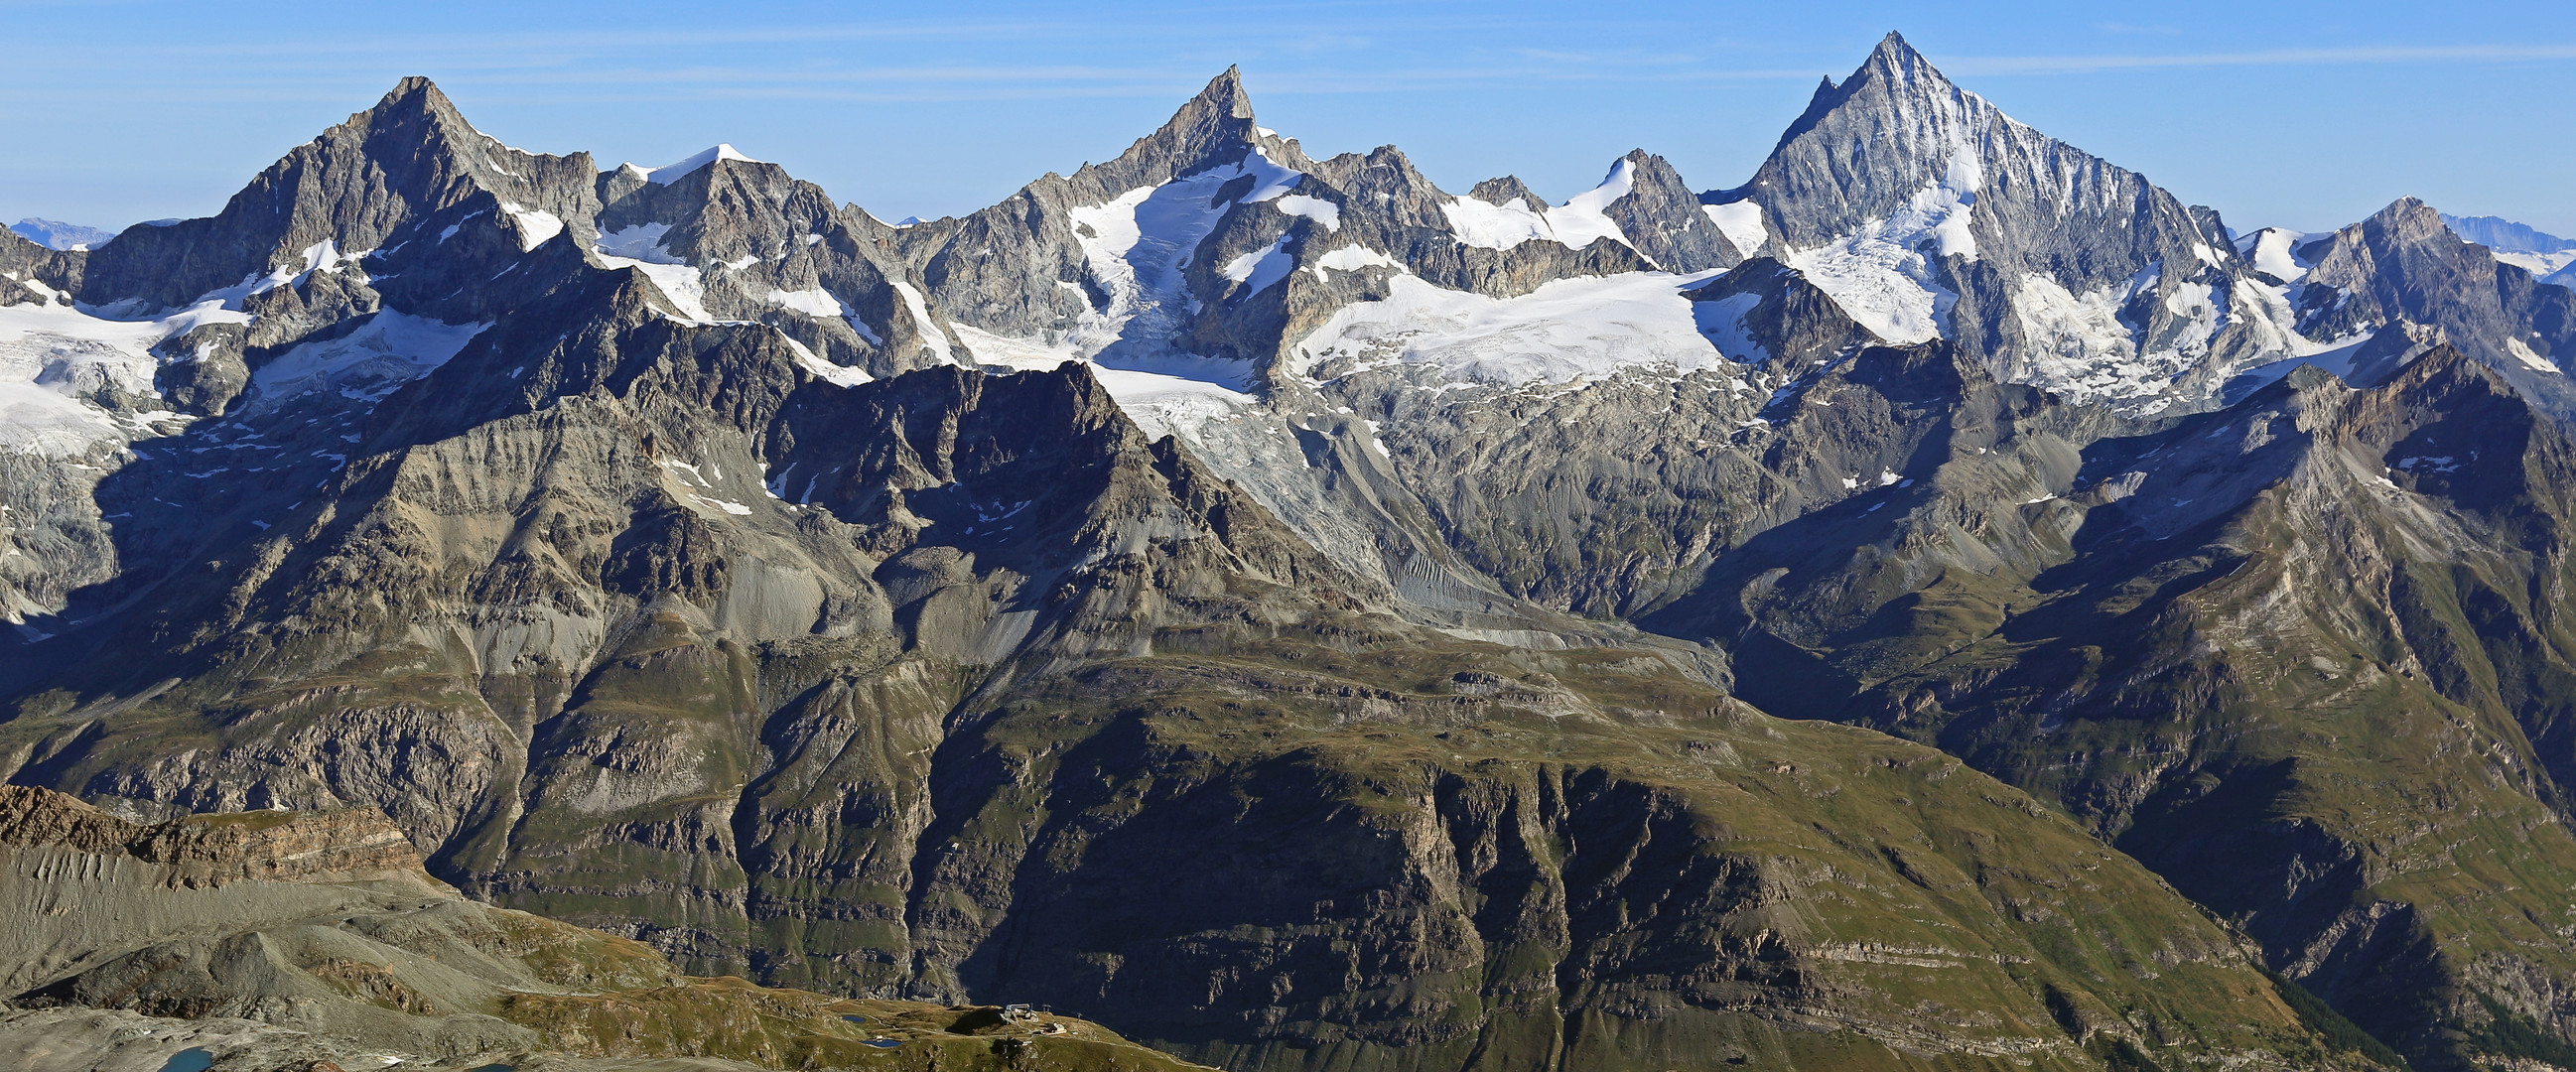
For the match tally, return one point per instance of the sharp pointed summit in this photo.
(360, 185)
(1897, 59)
(1226, 91)
(1213, 129)
(2406, 264)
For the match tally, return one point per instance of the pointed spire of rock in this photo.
(1505, 189)
(1213, 129)
(1225, 94)
(1662, 219)
(414, 110)
(414, 94)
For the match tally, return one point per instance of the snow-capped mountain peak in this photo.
(682, 168)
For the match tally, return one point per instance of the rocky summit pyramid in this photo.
(1943, 602)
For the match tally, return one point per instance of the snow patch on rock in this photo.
(2523, 352)
(54, 359)
(1352, 259)
(932, 339)
(2272, 251)
(1136, 248)
(1722, 321)
(535, 227)
(642, 242)
(1260, 268)
(1314, 208)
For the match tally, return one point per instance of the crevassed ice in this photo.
(52, 357)
(1878, 276)
(1588, 326)
(2202, 312)
(389, 350)
(2076, 344)
(2538, 264)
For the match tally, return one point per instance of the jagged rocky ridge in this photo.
(674, 551)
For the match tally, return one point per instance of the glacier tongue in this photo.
(1136, 249)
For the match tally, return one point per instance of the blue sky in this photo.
(2307, 115)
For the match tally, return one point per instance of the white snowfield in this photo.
(806, 358)
(321, 257)
(535, 227)
(54, 357)
(1159, 403)
(1576, 224)
(2530, 359)
(1352, 259)
(1573, 328)
(1135, 249)
(1260, 268)
(1723, 322)
(1741, 223)
(640, 247)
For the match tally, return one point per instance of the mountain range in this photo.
(1945, 602)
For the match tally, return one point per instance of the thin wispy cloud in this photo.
(1976, 65)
